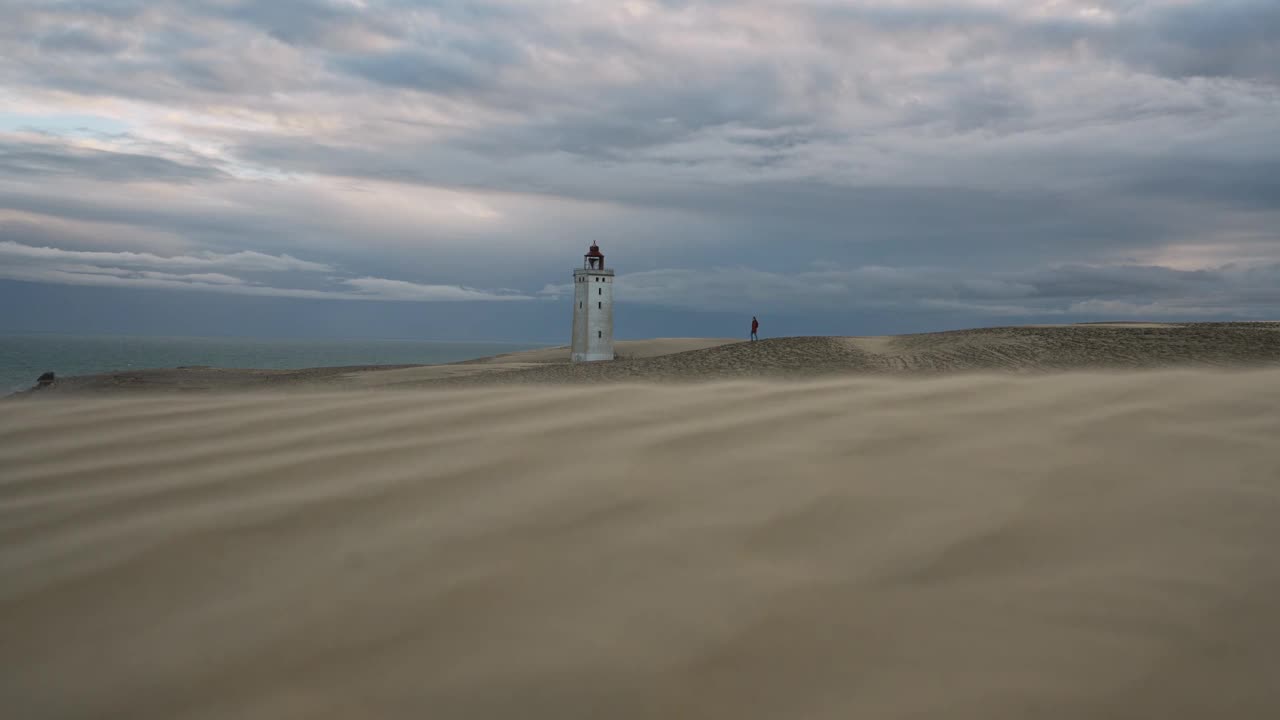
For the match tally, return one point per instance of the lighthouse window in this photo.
(599, 291)
(599, 306)
(599, 333)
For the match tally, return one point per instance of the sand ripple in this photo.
(969, 547)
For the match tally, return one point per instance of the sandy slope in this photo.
(206, 380)
(523, 360)
(1062, 546)
(624, 349)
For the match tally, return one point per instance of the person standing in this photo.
(755, 327)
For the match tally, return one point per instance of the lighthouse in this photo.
(592, 308)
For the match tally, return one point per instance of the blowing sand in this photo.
(1065, 546)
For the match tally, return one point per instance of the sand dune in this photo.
(1113, 346)
(523, 360)
(1070, 546)
(1026, 349)
(624, 349)
(209, 379)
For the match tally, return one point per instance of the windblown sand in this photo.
(1064, 546)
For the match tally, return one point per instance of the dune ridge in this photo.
(992, 546)
(1021, 349)
(1018, 349)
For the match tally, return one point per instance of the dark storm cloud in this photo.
(79, 9)
(81, 41)
(1082, 282)
(1225, 38)
(213, 228)
(1222, 38)
(1245, 183)
(616, 123)
(297, 22)
(453, 67)
(161, 51)
(1256, 289)
(786, 223)
(29, 160)
(1069, 290)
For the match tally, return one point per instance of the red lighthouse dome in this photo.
(594, 258)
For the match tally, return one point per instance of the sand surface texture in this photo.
(1065, 546)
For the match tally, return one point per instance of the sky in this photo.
(434, 168)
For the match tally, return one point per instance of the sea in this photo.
(23, 358)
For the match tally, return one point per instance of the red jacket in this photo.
(755, 325)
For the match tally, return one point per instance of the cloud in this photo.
(31, 160)
(1122, 290)
(1164, 309)
(1077, 290)
(123, 278)
(1226, 38)
(1222, 38)
(453, 65)
(979, 156)
(317, 23)
(208, 278)
(73, 267)
(81, 40)
(242, 260)
(384, 289)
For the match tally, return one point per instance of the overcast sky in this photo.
(435, 168)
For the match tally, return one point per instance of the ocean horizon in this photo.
(24, 357)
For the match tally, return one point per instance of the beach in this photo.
(741, 542)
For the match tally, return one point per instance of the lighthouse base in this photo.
(591, 357)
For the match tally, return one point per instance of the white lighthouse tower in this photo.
(592, 309)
